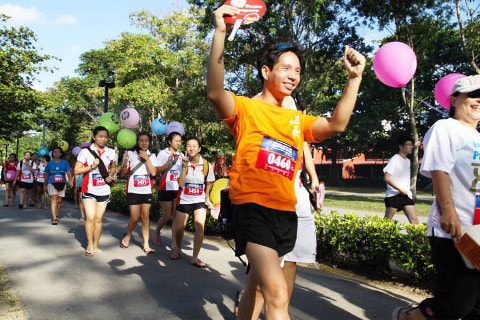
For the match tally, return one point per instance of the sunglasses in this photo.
(474, 94)
(283, 46)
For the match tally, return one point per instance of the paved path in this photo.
(54, 280)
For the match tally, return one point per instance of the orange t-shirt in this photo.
(269, 142)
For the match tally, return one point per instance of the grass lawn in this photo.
(370, 199)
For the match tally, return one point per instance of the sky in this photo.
(66, 29)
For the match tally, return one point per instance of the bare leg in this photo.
(390, 212)
(132, 222)
(200, 216)
(179, 230)
(145, 216)
(168, 208)
(411, 214)
(267, 273)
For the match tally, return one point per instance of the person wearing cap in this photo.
(451, 159)
(269, 152)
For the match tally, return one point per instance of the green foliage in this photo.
(373, 244)
(19, 64)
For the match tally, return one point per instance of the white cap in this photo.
(467, 84)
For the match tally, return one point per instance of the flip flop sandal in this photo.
(199, 264)
(54, 222)
(175, 255)
(148, 251)
(124, 244)
(90, 252)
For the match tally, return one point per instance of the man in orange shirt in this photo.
(269, 143)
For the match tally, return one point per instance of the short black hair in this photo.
(271, 52)
(403, 139)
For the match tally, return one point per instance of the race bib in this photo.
(58, 178)
(173, 175)
(26, 176)
(97, 180)
(277, 157)
(141, 180)
(193, 189)
(40, 176)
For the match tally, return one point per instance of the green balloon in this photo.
(127, 138)
(110, 121)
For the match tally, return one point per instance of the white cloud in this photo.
(31, 15)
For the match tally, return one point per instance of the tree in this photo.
(21, 62)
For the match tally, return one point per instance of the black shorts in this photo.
(398, 201)
(167, 195)
(268, 227)
(191, 207)
(25, 185)
(136, 198)
(99, 199)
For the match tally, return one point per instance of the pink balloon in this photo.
(10, 175)
(443, 89)
(129, 118)
(395, 64)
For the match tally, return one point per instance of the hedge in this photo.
(371, 244)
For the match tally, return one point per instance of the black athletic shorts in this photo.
(136, 198)
(167, 195)
(25, 185)
(268, 227)
(99, 199)
(189, 208)
(398, 201)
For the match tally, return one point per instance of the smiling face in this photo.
(192, 148)
(467, 109)
(284, 77)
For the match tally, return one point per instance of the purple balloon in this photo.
(175, 127)
(76, 151)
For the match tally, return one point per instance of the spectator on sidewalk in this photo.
(397, 175)
(451, 159)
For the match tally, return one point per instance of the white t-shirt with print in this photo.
(175, 170)
(92, 181)
(451, 147)
(399, 169)
(140, 182)
(194, 189)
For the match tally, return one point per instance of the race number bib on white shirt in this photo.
(171, 183)
(194, 188)
(139, 181)
(92, 182)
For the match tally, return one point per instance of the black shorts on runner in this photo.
(398, 201)
(25, 185)
(167, 195)
(268, 227)
(136, 198)
(191, 207)
(99, 199)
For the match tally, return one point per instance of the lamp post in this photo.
(107, 83)
(17, 134)
(6, 151)
(43, 123)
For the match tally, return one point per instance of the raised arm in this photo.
(216, 93)
(354, 64)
